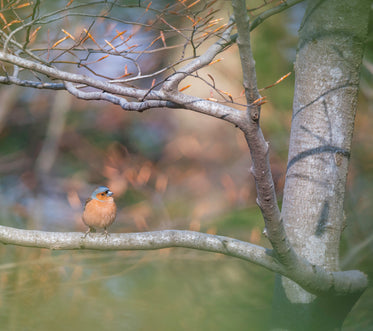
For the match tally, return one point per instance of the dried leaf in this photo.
(258, 101)
(111, 45)
(212, 78)
(147, 7)
(215, 61)
(211, 3)
(219, 28)
(159, 37)
(193, 4)
(3, 18)
(119, 35)
(11, 23)
(184, 88)
(59, 41)
(277, 81)
(227, 93)
(26, 4)
(163, 38)
(33, 34)
(90, 37)
(68, 34)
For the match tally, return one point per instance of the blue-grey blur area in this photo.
(168, 169)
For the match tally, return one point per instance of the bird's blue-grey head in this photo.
(101, 189)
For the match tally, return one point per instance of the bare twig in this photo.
(273, 11)
(268, 13)
(201, 61)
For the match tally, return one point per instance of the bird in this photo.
(99, 210)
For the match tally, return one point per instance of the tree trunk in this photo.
(331, 44)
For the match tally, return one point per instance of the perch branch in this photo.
(315, 279)
(141, 241)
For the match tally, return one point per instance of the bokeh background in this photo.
(168, 169)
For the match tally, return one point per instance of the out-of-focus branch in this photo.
(56, 126)
(259, 148)
(8, 96)
(321, 282)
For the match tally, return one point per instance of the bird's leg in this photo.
(90, 230)
(106, 233)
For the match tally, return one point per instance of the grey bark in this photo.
(305, 236)
(327, 68)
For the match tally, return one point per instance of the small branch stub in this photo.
(254, 114)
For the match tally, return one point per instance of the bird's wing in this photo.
(88, 200)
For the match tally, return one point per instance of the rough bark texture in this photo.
(327, 68)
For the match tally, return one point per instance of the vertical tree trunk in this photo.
(327, 67)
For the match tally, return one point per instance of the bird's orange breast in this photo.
(99, 214)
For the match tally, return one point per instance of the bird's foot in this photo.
(88, 232)
(106, 233)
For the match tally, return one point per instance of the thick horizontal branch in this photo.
(313, 278)
(141, 241)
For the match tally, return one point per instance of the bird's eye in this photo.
(102, 194)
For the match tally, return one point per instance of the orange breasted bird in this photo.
(100, 210)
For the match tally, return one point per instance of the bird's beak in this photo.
(109, 193)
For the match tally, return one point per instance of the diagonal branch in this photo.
(273, 11)
(267, 14)
(259, 148)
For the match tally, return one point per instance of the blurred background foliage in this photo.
(168, 169)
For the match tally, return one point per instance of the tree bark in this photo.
(330, 49)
